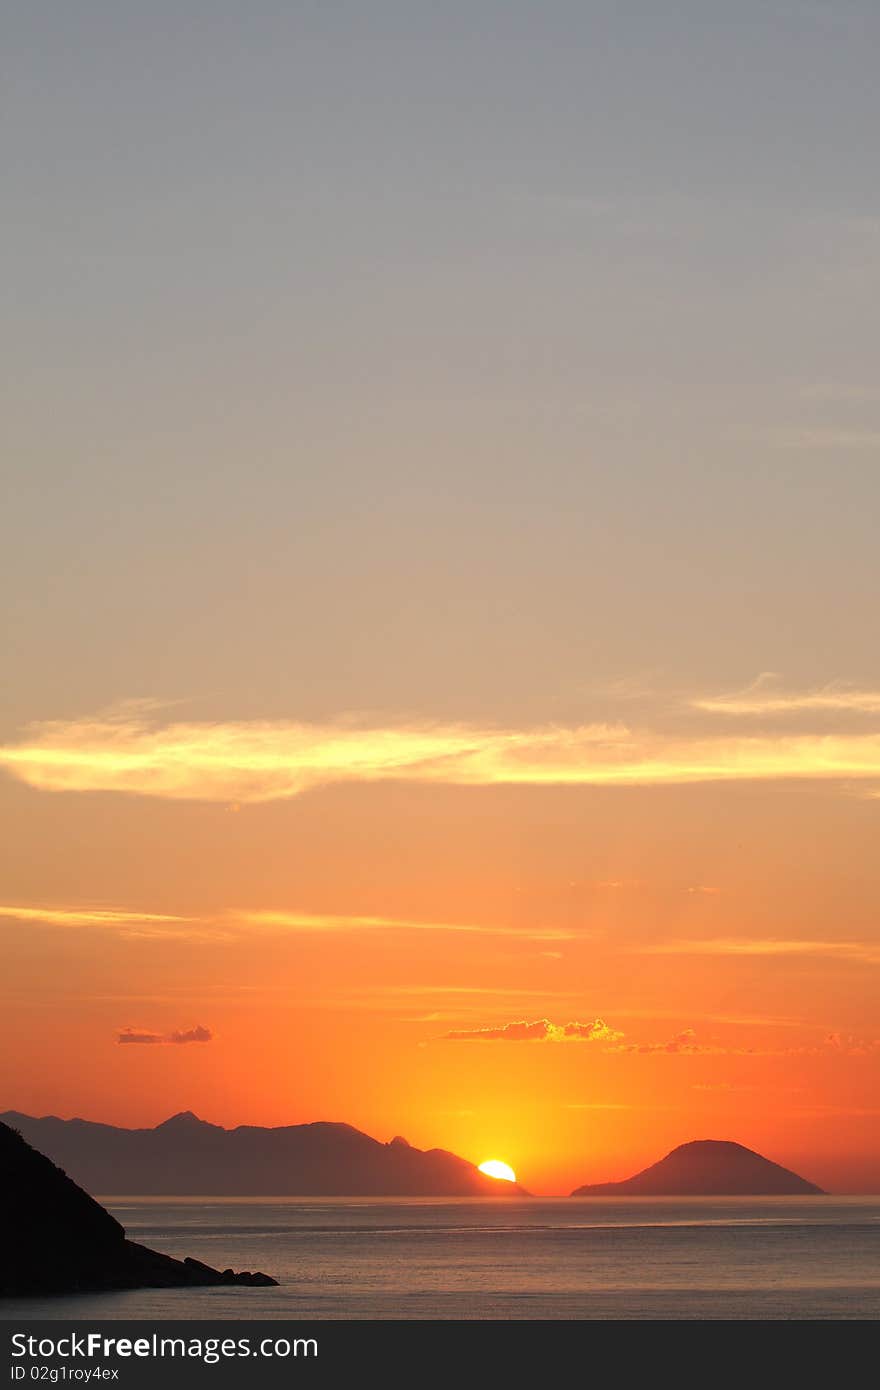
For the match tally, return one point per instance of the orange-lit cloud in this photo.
(86, 917)
(325, 923)
(604, 1105)
(684, 1043)
(254, 762)
(542, 1030)
(237, 921)
(179, 1035)
(761, 697)
(865, 952)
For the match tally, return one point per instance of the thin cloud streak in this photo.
(606, 1105)
(757, 699)
(258, 762)
(865, 952)
(85, 917)
(321, 923)
(233, 923)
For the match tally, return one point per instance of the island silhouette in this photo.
(186, 1156)
(57, 1239)
(707, 1168)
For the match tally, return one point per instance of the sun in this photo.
(494, 1168)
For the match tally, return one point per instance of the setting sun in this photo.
(494, 1168)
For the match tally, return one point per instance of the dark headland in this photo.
(707, 1168)
(186, 1156)
(57, 1239)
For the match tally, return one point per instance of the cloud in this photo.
(323, 922)
(191, 1035)
(597, 1031)
(603, 1105)
(539, 1031)
(762, 697)
(88, 917)
(684, 1043)
(188, 1035)
(542, 1030)
(154, 924)
(257, 762)
(866, 952)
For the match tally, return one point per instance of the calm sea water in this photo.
(530, 1258)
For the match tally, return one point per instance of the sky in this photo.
(439, 574)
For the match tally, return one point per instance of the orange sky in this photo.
(330, 944)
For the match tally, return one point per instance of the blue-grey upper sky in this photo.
(451, 359)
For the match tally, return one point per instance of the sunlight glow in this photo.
(494, 1168)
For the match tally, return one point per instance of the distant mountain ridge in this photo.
(186, 1156)
(707, 1168)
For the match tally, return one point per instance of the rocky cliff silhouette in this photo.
(57, 1239)
(187, 1156)
(707, 1168)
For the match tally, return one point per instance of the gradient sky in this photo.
(439, 553)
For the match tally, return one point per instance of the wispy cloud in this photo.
(764, 697)
(178, 1036)
(255, 762)
(684, 1041)
(866, 952)
(241, 920)
(321, 923)
(604, 1105)
(418, 1003)
(90, 917)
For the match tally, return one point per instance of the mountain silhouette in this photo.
(707, 1168)
(186, 1156)
(57, 1239)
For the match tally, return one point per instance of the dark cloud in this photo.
(179, 1035)
(197, 1034)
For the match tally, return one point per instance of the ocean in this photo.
(561, 1258)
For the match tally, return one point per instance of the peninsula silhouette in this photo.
(57, 1239)
(707, 1168)
(188, 1156)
